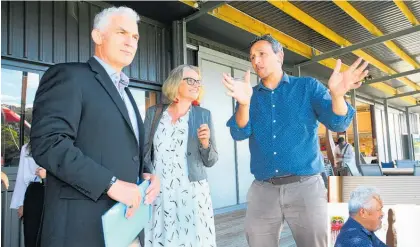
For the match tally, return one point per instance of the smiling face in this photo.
(189, 88)
(117, 43)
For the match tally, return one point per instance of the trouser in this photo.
(302, 204)
(32, 214)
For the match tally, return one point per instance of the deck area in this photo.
(230, 231)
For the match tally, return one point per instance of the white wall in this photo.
(228, 182)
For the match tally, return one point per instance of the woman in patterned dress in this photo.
(180, 146)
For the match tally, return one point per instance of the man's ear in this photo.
(280, 57)
(363, 213)
(97, 36)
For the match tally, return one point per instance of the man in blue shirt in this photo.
(280, 117)
(365, 209)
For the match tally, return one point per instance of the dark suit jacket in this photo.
(82, 135)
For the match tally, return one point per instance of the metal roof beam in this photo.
(357, 46)
(241, 20)
(204, 9)
(404, 94)
(364, 22)
(411, 106)
(315, 25)
(390, 77)
(406, 11)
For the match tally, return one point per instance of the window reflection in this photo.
(16, 114)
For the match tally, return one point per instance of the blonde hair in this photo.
(171, 85)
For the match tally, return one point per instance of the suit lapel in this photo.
(138, 116)
(106, 82)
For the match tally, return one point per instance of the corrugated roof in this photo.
(414, 7)
(276, 18)
(385, 15)
(336, 19)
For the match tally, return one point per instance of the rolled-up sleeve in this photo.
(237, 133)
(322, 104)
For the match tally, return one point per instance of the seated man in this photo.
(365, 209)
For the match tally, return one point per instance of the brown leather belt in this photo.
(287, 180)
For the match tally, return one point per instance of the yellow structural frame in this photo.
(312, 23)
(364, 22)
(404, 9)
(239, 19)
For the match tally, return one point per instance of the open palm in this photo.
(342, 82)
(241, 91)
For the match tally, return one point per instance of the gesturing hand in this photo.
(204, 135)
(241, 91)
(342, 82)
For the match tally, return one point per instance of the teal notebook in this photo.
(120, 231)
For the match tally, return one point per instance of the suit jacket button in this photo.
(189, 153)
(136, 158)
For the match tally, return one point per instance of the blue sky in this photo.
(11, 87)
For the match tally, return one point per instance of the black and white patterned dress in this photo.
(183, 212)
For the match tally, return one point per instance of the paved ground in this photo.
(230, 231)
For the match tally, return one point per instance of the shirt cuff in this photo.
(234, 125)
(341, 121)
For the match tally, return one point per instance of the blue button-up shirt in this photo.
(353, 234)
(283, 127)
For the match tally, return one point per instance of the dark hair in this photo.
(277, 47)
(341, 140)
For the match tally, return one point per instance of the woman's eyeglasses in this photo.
(191, 81)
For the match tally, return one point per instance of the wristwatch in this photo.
(113, 180)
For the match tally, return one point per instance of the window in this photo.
(145, 99)
(18, 90)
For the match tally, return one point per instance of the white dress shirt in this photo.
(115, 77)
(25, 175)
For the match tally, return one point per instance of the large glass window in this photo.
(18, 90)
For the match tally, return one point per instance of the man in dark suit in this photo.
(88, 134)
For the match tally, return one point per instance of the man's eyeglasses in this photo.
(191, 81)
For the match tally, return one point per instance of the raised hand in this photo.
(342, 82)
(241, 91)
(203, 134)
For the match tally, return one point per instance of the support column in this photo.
(410, 140)
(179, 43)
(296, 71)
(355, 129)
(388, 137)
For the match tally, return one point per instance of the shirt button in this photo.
(272, 92)
(275, 153)
(277, 170)
(274, 121)
(274, 136)
(274, 105)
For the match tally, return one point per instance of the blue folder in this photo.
(120, 231)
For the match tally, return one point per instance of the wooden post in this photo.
(391, 234)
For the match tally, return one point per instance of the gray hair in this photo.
(102, 19)
(362, 198)
(277, 47)
(171, 85)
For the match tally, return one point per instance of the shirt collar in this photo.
(285, 78)
(113, 74)
(356, 224)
